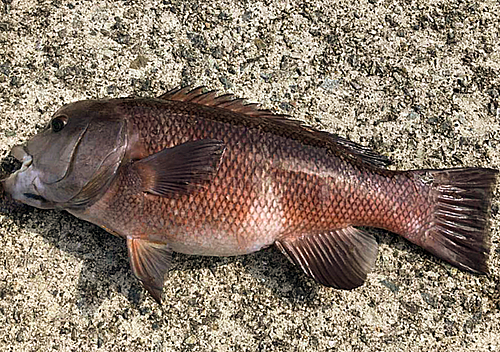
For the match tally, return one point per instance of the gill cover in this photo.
(78, 154)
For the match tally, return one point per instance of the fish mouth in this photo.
(21, 155)
(21, 184)
(17, 161)
(8, 166)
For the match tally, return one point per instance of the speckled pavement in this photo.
(416, 80)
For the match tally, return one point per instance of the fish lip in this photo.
(19, 152)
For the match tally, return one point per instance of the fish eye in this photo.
(58, 123)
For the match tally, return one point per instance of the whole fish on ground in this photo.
(200, 174)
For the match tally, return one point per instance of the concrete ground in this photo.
(416, 80)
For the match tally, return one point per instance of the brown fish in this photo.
(199, 174)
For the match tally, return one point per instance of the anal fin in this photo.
(150, 262)
(339, 258)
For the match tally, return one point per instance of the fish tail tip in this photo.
(458, 228)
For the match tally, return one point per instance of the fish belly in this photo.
(233, 216)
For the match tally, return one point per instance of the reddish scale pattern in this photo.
(269, 184)
(350, 195)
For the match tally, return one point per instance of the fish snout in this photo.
(18, 161)
(21, 185)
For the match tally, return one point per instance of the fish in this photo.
(199, 173)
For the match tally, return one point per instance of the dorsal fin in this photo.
(366, 154)
(229, 102)
(209, 98)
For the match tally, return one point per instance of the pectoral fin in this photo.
(181, 168)
(339, 258)
(150, 262)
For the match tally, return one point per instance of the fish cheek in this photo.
(94, 163)
(53, 152)
(100, 182)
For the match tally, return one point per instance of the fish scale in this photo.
(200, 174)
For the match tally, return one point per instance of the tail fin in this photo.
(457, 228)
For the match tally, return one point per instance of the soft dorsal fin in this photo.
(229, 102)
(365, 154)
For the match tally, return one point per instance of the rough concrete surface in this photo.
(416, 80)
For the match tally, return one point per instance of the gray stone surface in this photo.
(416, 80)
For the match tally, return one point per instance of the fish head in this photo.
(70, 162)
